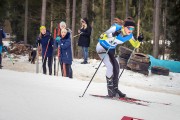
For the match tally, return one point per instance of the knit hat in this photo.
(85, 20)
(42, 27)
(129, 23)
(62, 24)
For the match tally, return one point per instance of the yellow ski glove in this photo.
(134, 43)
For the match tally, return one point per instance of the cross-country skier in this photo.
(46, 40)
(2, 35)
(118, 33)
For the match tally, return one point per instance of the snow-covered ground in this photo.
(25, 95)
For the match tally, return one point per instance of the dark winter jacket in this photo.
(56, 43)
(84, 38)
(2, 35)
(65, 49)
(44, 42)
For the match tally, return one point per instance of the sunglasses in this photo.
(130, 28)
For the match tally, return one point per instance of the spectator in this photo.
(45, 39)
(65, 54)
(84, 38)
(57, 34)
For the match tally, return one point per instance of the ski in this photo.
(146, 101)
(137, 100)
(126, 99)
(130, 118)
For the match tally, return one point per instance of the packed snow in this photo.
(26, 95)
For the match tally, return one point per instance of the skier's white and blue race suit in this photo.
(108, 41)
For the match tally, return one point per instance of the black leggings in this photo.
(49, 64)
(115, 64)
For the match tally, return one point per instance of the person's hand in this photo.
(79, 31)
(137, 45)
(140, 37)
(58, 38)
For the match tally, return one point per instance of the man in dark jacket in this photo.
(84, 38)
(46, 41)
(2, 35)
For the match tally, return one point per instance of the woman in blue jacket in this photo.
(118, 33)
(65, 53)
(46, 41)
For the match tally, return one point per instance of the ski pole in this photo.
(77, 35)
(37, 62)
(58, 60)
(97, 69)
(127, 63)
(57, 68)
(54, 58)
(45, 52)
(9, 56)
(140, 39)
(54, 65)
(59, 64)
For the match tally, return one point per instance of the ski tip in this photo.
(130, 118)
(166, 103)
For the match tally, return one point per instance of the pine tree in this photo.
(173, 28)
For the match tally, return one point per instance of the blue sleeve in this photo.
(125, 38)
(52, 41)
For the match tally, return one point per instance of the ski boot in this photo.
(118, 93)
(110, 87)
